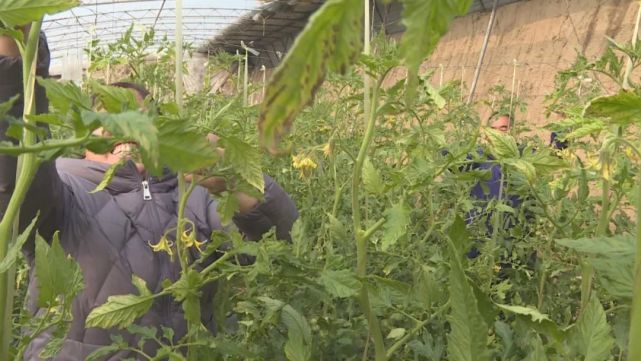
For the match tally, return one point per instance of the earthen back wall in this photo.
(543, 36)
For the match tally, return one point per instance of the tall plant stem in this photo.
(361, 239)
(246, 79)
(601, 229)
(28, 167)
(634, 346)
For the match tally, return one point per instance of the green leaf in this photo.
(337, 229)
(371, 179)
(48, 118)
(396, 333)
(425, 22)
(227, 206)
(13, 33)
(119, 311)
(504, 331)
(299, 335)
(459, 234)
(544, 162)
(538, 351)
(246, 161)
(57, 273)
(593, 127)
(115, 99)
(616, 274)
(434, 94)
(147, 333)
(623, 108)
(397, 220)
(182, 149)
(584, 190)
(52, 348)
(594, 332)
(130, 126)
(341, 283)
(63, 95)
(103, 351)
(5, 107)
(615, 246)
(501, 145)
(187, 291)
(109, 175)
(467, 340)
(532, 312)
(22, 12)
(524, 167)
(331, 40)
(140, 285)
(14, 250)
(612, 258)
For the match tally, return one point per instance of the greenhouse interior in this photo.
(303, 180)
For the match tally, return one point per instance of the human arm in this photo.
(276, 210)
(256, 217)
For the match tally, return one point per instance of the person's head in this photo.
(502, 123)
(125, 149)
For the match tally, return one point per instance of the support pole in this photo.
(477, 71)
(179, 54)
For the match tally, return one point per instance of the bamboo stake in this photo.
(179, 54)
(628, 65)
(477, 71)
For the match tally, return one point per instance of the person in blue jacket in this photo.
(490, 189)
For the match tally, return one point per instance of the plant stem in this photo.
(634, 346)
(28, 167)
(587, 272)
(398, 344)
(361, 241)
(246, 79)
(42, 146)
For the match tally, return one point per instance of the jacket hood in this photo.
(126, 179)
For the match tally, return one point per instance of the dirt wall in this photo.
(542, 36)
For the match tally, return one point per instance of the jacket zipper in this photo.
(146, 193)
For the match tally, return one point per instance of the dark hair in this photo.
(139, 89)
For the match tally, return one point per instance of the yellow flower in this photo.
(303, 163)
(307, 163)
(632, 155)
(189, 240)
(296, 161)
(327, 149)
(164, 245)
(592, 162)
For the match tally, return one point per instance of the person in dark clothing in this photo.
(491, 188)
(111, 233)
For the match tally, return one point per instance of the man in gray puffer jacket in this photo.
(110, 233)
